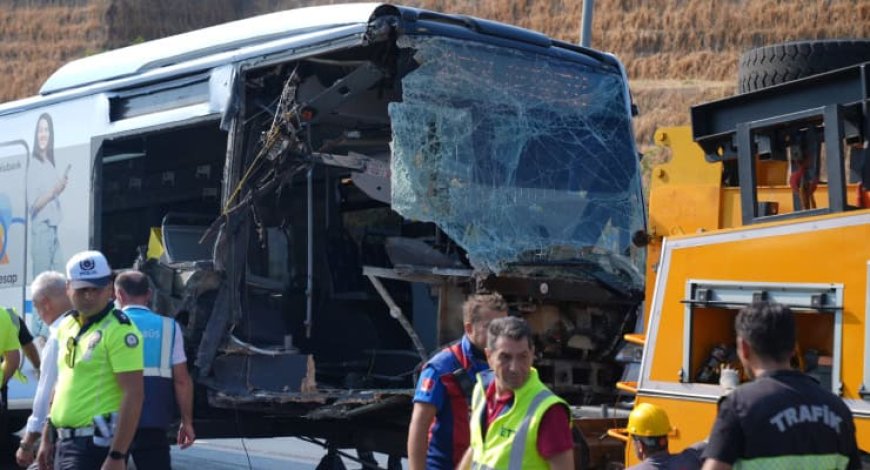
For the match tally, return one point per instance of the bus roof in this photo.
(150, 55)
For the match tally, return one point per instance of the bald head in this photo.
(132, 288)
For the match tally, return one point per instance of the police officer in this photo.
(649, 426)
(783, 418)
(516, 421)
(167, 381)
(99, 389)
(50, 302)
(10, 350)
(443, 396)
(25, 341)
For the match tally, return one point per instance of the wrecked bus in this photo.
(314, 192)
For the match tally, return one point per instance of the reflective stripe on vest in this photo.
(518, 451)
(164, 365)
(795, 462)
(16, 320)
(480, 466)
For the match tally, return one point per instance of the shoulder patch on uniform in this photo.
(122, 317)
(131, 340)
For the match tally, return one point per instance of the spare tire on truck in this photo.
(779, 63)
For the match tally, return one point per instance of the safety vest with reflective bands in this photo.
(511, 441)
(90, 354)
(16, 323)
(158, 334)
(15, 320)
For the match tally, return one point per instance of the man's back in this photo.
(689, 459)
(784, 417)
(160, 354)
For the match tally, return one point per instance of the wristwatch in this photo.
(115, 455)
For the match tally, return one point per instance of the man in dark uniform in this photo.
(439, 432)
(649, 427)
(782, 419)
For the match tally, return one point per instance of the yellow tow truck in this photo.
(765, 197)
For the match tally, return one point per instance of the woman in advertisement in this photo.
(44, 187)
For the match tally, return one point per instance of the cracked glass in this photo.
(523, 159)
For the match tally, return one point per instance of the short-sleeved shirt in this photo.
(449, 435)
(8, 332)
(89, 356)
(781, 420)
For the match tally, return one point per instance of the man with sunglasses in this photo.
(99, 391)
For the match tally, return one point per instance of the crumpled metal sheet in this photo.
(322, 404)
(518, 157)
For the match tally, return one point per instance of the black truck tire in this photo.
(779, 63)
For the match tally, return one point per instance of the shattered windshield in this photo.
(521, 158)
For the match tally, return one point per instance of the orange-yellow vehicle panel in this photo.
(824, 250)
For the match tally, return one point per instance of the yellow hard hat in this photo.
(648, 420)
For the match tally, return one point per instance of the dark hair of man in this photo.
(508, 327)
(134, 283)
(768, 328)
(477, 303)
(653, 444)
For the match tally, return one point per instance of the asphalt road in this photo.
(279, 453)
(282, 453)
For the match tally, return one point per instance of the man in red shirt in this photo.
(511, 405)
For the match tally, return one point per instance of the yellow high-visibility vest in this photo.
(511, 439)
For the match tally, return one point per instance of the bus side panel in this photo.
(32, 242)
(37, 242)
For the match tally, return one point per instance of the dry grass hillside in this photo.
(677, 52)
(36, 41)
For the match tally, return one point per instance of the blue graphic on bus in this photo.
(6, 221)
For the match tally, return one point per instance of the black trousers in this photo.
(79, 453)
(150, 449)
